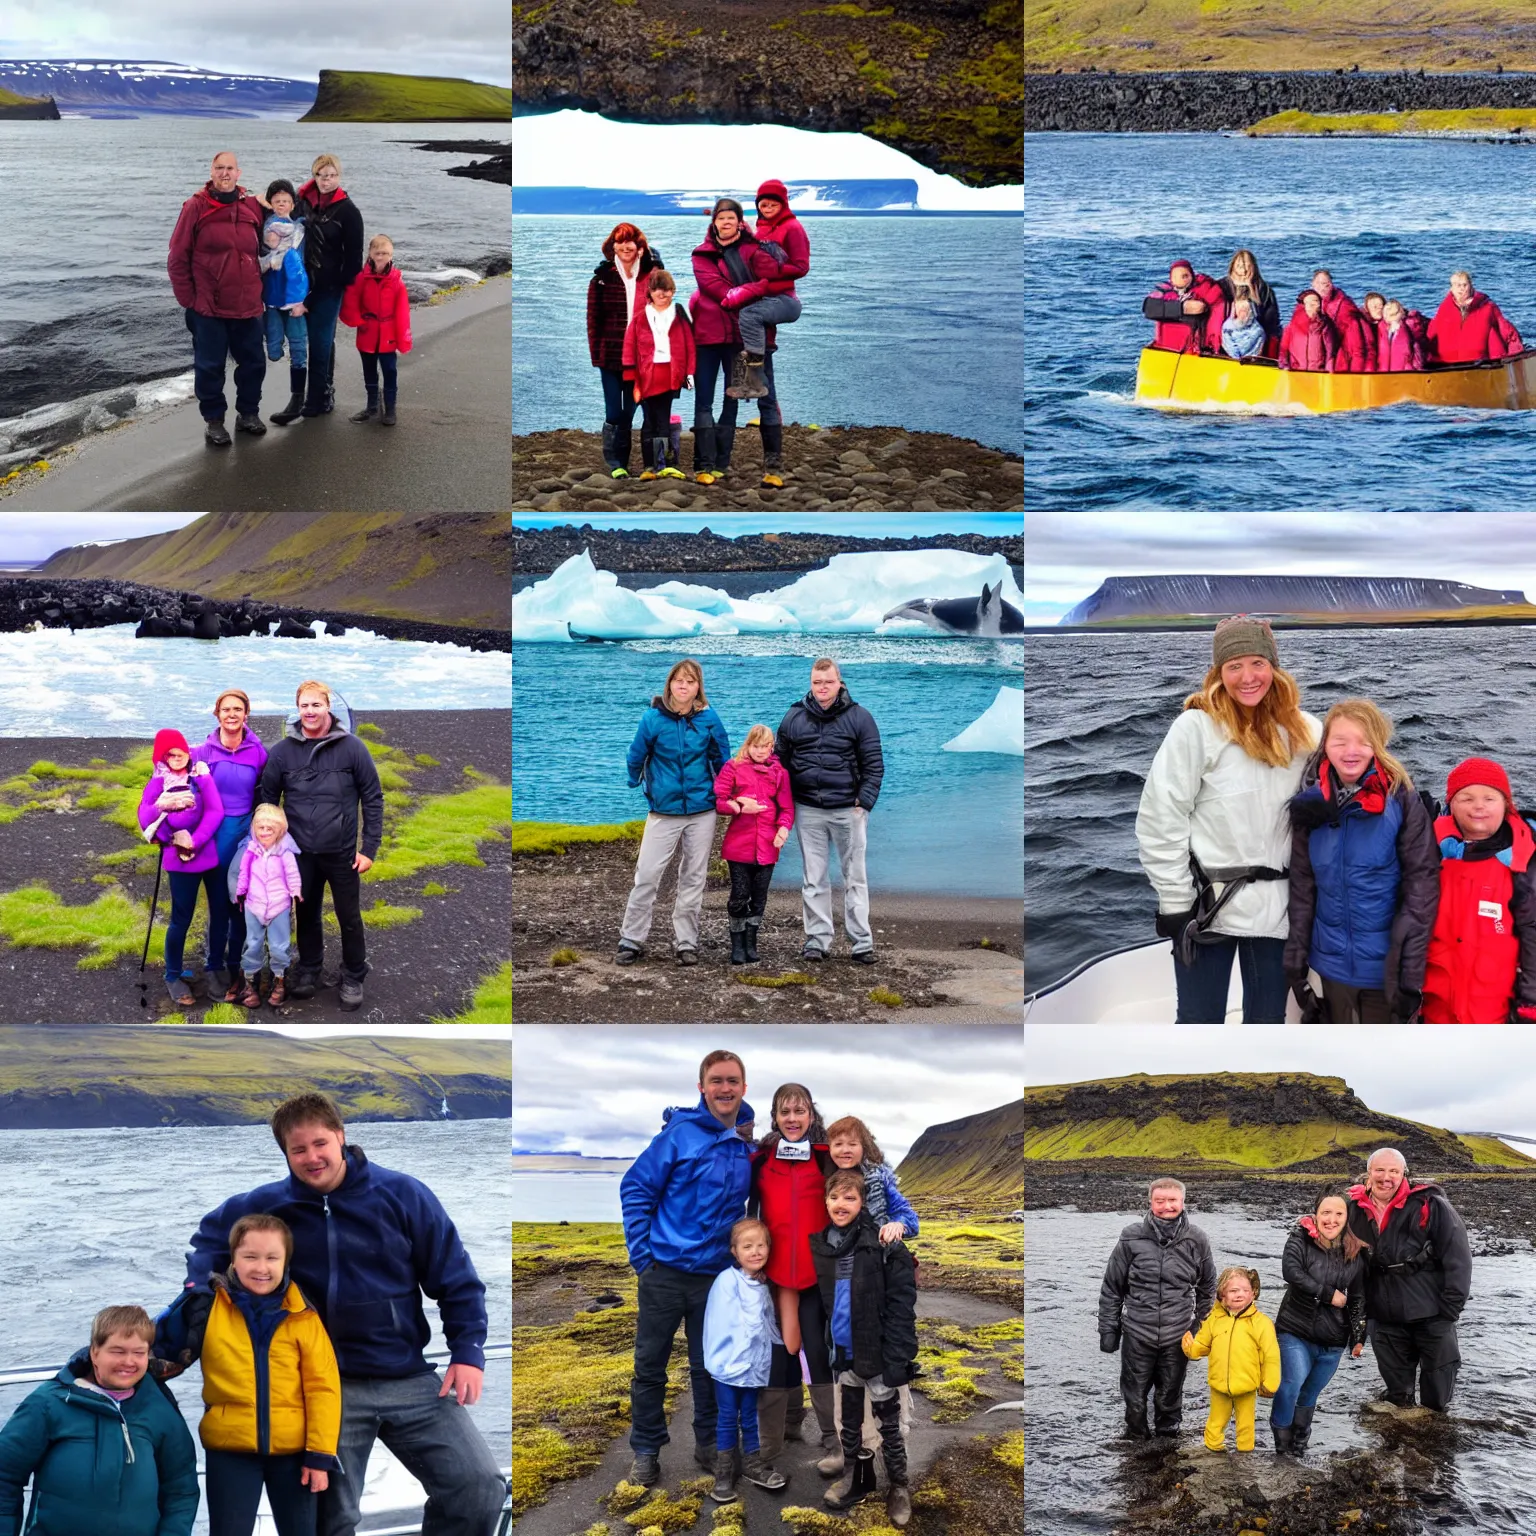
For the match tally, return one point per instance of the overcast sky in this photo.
(36, 535)
(1459, 1077)
(601, 1092)
(294, 39)
(1068, 554)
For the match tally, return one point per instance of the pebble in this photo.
(872, 477)
(890, 450)
(953, 474)
(548, 485)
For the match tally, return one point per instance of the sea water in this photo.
(1108, 212)
(545, 1196)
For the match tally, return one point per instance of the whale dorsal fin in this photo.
(988, 595)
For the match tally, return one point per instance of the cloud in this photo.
(36, 535)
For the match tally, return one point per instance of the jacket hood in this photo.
(711, 246)
(284, 844)
(339, 195)
(293, 1297)
(658, 702)
(341, 722)
(699, 1114)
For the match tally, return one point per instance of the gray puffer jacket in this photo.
(1160, 1280)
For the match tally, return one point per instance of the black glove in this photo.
(186, 315)
(1171, 924)
(1109, 1343)
(1310, 1003)
(1406, 1006)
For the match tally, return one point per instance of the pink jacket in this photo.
(269, 876)
(749, 838)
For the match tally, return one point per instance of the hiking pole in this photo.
(154, 901)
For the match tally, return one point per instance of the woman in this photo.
(1213, 831)
(615, 295)
(235, 756)
(1243, 281)
(333, 256)
(1468, 327)
(1322, 1312)
(677, 753)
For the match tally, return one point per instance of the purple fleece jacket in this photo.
(236, 773)
(201, 820)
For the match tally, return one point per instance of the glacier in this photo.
(1000, 728)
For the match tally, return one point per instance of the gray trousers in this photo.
(663, 835)
(776, 309)
(818, 831)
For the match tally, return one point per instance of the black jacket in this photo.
(1266, 307)
(882, 1303)
(321, 784)
(1158, 1283)
(1420, 1264)
(333, 244)
(1312, 1274)
(832, 755)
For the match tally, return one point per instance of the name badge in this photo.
(1492, 909)
(793, 1151)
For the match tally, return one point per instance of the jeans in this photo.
(1305, 1369)
(226, 932)
(662, 838)
(738, 1416)
(316, 870)
(656, 413)
(235, 1481)
(184, 889)
(768, 412)
(281, 324)
(818, 831)
(1202, 987)
(776, 309)
(618, 396)
(324, 308)
(667, 1297)
(260, 938)
(373, 364)
(435, 1440)
(213, 340)
(713, 361)
(749, 888)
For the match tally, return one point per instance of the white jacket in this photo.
(1204, 795)
(740, 1329)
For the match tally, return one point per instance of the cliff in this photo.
(361, 96)
(14, 107)
(968, 1164)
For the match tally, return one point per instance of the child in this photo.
(270, 1383)
(1482, 953)
(869, 1292)
(1188, 311)
(1399, 344)
(1242, 335)
(1365, 874)
(784, 238)
(284, 287)
(1245, 1357)
(269, 875)
(739, 1335)
(659, 357)
(1310, 343)
(380, 308)
(851, 1145)
(753, 789)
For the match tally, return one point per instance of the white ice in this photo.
(999, 729)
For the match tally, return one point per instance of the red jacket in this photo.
(1189, 334)
(640, 355)
(714, 319)
(791, 1199)
(1486, 918)
(1356, 335)
(789, 234)
(1309, 346)
(1481, 332)
(215, 259)
(749, 838)
(378, 305)
(1404, 352)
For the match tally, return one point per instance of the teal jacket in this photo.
(109, 1468)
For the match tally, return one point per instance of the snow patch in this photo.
(999, 729)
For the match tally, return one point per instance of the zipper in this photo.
(330, 1258)
(261, 1360)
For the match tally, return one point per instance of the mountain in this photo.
(1401, 599)
(971, 1164)
(358, 96)
(125, 88)
(448, 568)
(863, 196)
(1271, 1120)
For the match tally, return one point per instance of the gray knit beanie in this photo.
(1243, 635)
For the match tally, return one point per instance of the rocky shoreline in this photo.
(1214, 101)
(497, 166)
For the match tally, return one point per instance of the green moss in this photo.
(665, 1514)
(445, 829)
(788, 979)
(432, 888)
(380, 915)
(879, 78)
(492, 1002)
(626, 1496)
(225, 1013)
(425, 760)
(564, 957)
(109, 929)
(1010, 1451)
(856, 12)
(886, 996)
(368, 731)
(554, 837)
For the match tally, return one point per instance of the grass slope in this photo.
(361, 96)
(1471, 120)
(11, 99)
(969, 1164)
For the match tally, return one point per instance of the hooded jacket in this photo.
(321, 783)
(201, 820)
(682, 1194)
(333, 239)
(238, 772)
(639, 355)
(677, 758)
(1401, 351)
(1309, 345)
(1245, 1354)
(1420, 1263)
(789, 1194)
(377, 304)
(215, 256)
(1177, 332)
(869, 1290)
(1474, 335)
(740, 1329)
(269, 877)
(1159, 1280)
(284, 281)
(1239, 341)
(832, 755)
(749, 838)
(714, 321)
(608, 316)
(1312, 1273)
(787, 233)
(363, 1255)
(1356, 336)
(98, 1466)
(1266, 307)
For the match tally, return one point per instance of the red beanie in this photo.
(169, 741)
(773, 188)
(1181, 263)
(1478, 770)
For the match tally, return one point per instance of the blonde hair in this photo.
(1250, 1275)
(311, 683)
(757, 733)
(1378, 732)
(1272, 731)
(381, 240)
(1390, 305)
(746, 1224)
(1463, 273)
(266, 812)
(690, 668)
(324, 160)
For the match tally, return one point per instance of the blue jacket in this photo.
(678, 757)
(98, 1466)
(740, 1329)
(884, 1200)
(363, 1255)
(284, 280)
(682, 1193)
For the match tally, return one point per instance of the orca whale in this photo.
(986, 616)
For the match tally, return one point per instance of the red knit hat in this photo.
(1478, 770)
(1181, 263)
(773, 188)
(169, 741)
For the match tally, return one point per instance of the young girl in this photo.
(1365, 874)
(1399, 344)
(1245, 1357)
(269, 875)
(850, 1145)
(1310, 343)
(380, 308)
(284, 287)
(753, 789)
(659, 358)
(739, 1335)
(1482, 953)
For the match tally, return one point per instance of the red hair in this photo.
(625, 232)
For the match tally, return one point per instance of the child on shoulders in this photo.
(1245, 1357)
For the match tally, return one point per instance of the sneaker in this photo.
(671, 474)
(627, 955)
(619, 473)
(814, 954)
(351, 994)
(863, 957)
(181, 993)
(251, 423)
(687, 957)
(645, 1469)
(704, 477)
(216, 435)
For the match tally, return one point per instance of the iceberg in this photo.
(853, 593)
(579, 596)
(999, 729)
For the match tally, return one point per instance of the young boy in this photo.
(1245, 1357)
(1482, 953)
(869, 1290)
(380, 308)
(284, 287)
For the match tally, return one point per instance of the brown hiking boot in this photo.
(279, 993)
(250, 998)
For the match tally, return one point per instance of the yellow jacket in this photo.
(289, 1401)
(1245, 1354)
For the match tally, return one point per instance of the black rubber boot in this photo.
(1284, 1439)
(725, 440)
(1301, 1429)
(738, 941)
(858, 1482)
(252, 423)
(621, 439)
(295, 407)
(611, 459)
(773, 452)
(387, 415)
(704, 455)
(753, 924)
(370, 410)
(892, 1447)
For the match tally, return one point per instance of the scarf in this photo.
(836, 1236)
(629, 281)
(660, 321)
(1371, 791)
(736, 263)
(1169, 1227)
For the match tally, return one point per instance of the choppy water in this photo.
(1108, 212)
(907, 323)
(1097, 707)
(1075, 1477)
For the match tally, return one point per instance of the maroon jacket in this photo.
(1310, 346)
(607, 318)
(215, 260)
(640, 362)
(749, 839)
(789, 234)
(380, 309)
(1356, 336)
(714, 320)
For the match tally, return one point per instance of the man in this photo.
(367, 1242)
(322, 773)
(830, 748)
(1418, 1274)
(216, 275)
(1159, 1283)
(680, 1198)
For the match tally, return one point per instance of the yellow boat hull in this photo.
(1186, 381)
